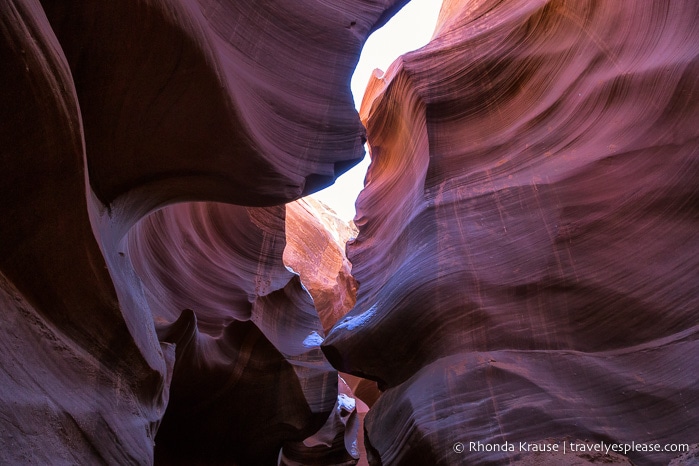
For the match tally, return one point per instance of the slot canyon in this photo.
(522, 269)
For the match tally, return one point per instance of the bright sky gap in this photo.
(410, 29)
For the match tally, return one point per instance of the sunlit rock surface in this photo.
(316, 251)
(316, 240)
(527, 250)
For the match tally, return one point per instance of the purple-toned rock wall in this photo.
(528, 245)
(110, 111)
(525, 267)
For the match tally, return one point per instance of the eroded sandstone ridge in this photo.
(528, 234)
(526, 264)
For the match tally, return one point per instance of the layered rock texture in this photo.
(254, 326)
(527, 248)
(186, 325)
(316, 251)
(526, 264)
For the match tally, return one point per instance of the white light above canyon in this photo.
(411, 28)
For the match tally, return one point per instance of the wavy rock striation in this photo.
(84, 379)
(526, 257)
(252, 325)
(111, 111)
(527, 234)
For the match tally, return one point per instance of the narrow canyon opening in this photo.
(409, 29)
(317, 236)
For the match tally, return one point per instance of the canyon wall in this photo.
(109, 112)
(527, 248)
(525, 265)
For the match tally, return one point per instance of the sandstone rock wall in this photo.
(526, 257)
(109, 111)
(527, 244)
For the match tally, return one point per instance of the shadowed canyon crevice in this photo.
(524, 268)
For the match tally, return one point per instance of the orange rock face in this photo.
(316, 251)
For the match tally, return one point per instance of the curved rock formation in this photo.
(526, 261)
(220, 88)
(252, 325)
(110, 111)
(527, 234)
(337, 441)
(83, 380)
